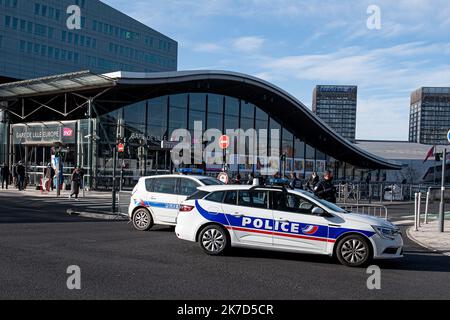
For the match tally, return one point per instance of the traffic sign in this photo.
(121, 147)
(448, 136)
(224, 142)
(223, 177)
(169, 145)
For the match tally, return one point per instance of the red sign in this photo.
(224, 142)
(223, 176)
(68, 132)
(121, 147)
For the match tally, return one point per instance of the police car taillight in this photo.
(185, 208)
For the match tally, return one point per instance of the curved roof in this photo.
(279, 104)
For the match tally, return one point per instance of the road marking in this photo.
(403, 222)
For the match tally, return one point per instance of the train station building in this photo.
(85, 113)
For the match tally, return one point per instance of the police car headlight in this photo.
(386, 233)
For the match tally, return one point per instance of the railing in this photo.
(377, 192)
(123, 202)
(373, 210)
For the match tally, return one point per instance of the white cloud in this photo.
(248, 44)
(379, 68)
(208, 47)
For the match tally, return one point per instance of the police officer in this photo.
(312, 182)
(325, 189)
(21, 172)
(295, 183)
(5, 175)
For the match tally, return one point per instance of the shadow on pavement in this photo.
(418, 261)
(412, 261)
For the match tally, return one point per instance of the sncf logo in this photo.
(68, 132)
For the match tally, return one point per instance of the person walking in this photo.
(237, 180)
(312, 182)
(21, 172)
(49, 175)
(251, 177)
(296, 183)
(5, 175)
(76, 182)
(325, 189)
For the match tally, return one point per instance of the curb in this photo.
(411, 237)
(98, 216)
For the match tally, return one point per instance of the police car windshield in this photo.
(211, 182)
(327, 204)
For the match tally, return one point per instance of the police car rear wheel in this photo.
(142, 220)
(214, 240)
(353, 251)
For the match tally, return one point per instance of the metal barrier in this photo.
(374, 210)
(123, 202)
(356, 192)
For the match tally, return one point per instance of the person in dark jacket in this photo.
(325, 189)
(5, 175)
(76, 183)
(312, 182)
(49, 175)
(295, 183)
(21, 172)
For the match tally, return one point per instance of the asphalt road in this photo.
(38, 242)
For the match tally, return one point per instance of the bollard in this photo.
(416, 226)
(381, 193)
(419, 204)
(426, 207)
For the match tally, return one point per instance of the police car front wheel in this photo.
(353, 251)
(142, 220)
(214, 240)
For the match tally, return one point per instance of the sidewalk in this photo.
(94, 204)
(429, 237)
(64, 193)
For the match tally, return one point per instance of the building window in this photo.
(197, 110)
(157, 118)
(178, 112)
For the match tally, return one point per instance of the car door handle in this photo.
(282, 219)
(237, 215)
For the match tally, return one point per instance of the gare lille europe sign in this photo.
(44, 133)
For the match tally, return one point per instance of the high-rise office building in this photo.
(429, 119)
(336, 106)
(39, 38)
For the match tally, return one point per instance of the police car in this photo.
(156, 199)
(220, 217)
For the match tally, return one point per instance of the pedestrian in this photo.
(312, 182)
(21, 172)
(49, 175)
(295, 183)
(15, 180)
(237, 179)
(76, 182)
(325, 189)
(5, 175)
(251, 177)
(81, 178)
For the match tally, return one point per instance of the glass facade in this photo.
(145, 124)
(336, 106)
(430, 116)
(35, 40)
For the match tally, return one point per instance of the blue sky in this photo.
(297, 44)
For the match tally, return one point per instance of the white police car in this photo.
(220, 217)
(156, 199)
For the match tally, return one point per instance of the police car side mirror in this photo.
(318, 212)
